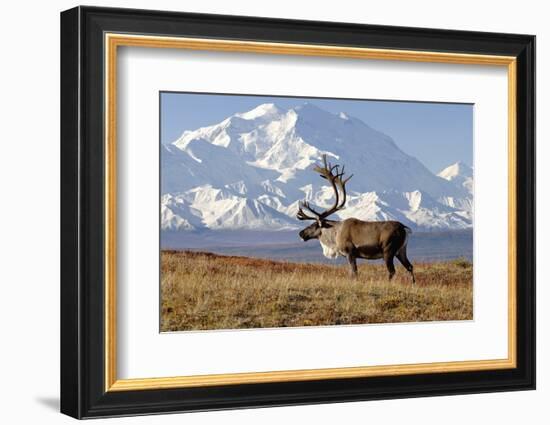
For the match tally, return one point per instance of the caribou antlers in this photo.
(334, 175)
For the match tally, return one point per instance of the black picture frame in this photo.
(83, 392)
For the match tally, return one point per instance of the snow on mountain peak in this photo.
(460, 174)
(459, 168)
(263, 110)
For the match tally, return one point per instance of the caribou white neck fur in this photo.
(328, 242)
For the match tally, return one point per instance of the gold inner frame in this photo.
(113, 41)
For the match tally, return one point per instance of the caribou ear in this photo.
(325, 224)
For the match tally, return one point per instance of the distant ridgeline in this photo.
(285, 246)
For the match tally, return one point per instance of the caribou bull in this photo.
(353, 238)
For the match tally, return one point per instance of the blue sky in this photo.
(438, 134)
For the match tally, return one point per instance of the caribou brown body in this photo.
(353, 238)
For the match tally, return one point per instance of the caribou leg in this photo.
(402, 257)
(388, 258)
(353, 266)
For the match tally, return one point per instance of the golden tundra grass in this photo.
(207, 291)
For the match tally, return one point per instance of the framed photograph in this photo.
(261, 212)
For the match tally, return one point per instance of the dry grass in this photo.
(206, 291)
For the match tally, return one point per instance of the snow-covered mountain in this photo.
(251, 170)
(462, 175)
